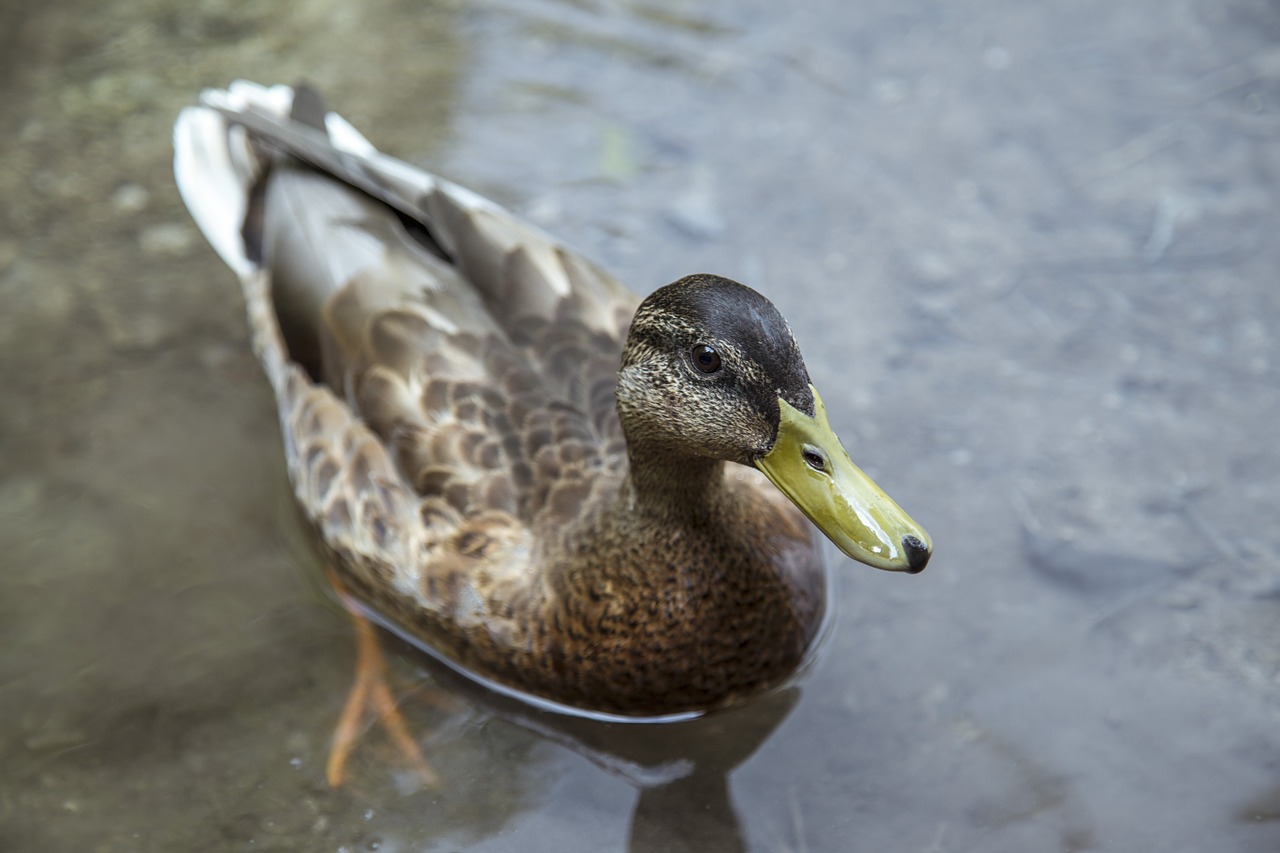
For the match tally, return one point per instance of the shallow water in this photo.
(1027, 249)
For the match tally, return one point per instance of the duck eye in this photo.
(705, 358)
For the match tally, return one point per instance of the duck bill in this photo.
(811, 467)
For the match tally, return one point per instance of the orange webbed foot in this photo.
(370, 691)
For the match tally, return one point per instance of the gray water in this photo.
(1028, 251)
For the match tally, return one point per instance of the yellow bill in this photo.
(812, 468)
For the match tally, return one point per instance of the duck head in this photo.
(711, 370)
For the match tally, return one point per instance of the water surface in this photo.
(1027, 249)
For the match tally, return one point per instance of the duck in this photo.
(601, 503)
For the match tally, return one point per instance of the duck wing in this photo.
(444, 371)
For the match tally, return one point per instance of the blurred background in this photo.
(1028, 251)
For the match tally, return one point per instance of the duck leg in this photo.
(370, 695)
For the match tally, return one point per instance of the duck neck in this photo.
(673, 486)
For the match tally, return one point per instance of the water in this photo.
(1027, 250)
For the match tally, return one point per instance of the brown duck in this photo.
(507, 456)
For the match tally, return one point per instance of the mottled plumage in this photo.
(490, 463)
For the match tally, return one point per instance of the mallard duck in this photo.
(564, 490)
